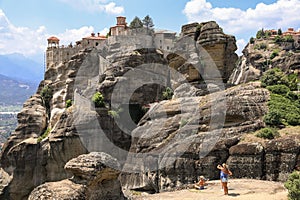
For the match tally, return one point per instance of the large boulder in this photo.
(33, 162)
(95, 177)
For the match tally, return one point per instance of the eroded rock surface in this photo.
(95, 177)
(256, 60)
(219, 46)
(183, 138)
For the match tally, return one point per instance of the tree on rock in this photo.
(148, 22)
(279, 32)
(260, 34)
(136, 23)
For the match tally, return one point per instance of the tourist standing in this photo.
(224, 173)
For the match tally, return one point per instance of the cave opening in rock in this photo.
(142, 98)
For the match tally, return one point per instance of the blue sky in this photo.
(25, 25)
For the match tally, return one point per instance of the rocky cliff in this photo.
(220, 46)
(263, 54)
(120, 106)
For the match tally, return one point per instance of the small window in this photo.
(97, 43)
(168, 47)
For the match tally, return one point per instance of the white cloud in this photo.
(73, 35)
(31, 42)
(104, 31)
(111, 8)
(95, 6)
(281, 14)
(19, 39)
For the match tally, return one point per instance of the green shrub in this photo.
(252, 40)
(69, 103)
(98, 100)
(168, 93)
(273, 117)
(293, 119)
(282, 109)
(288, 38)
(274, 54)
(47, 94)
(278, 89)
(260, 46)
(267, 133)
(115, 113)
(260, 34)
(293, 81)
(278, 39)
(274, 76)
(284, 105)
(44, 135)
(293, 185)
(292, 96)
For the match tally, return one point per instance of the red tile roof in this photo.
(53, 38)
(95, 37)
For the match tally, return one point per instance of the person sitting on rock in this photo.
(224, 172)
(201, 183)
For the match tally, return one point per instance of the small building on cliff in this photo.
(56, 54)
(120, 28)
(164, 39)
(161, 39)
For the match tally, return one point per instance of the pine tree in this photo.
(136, 23)
(148, 22)
(279, 32)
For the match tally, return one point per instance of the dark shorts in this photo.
(201, 188)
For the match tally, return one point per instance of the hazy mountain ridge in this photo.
(20, 67)
(15, 92)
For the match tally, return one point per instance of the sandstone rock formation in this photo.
(187, 138)
(95, 177)
(181, 138)
(27, 157)
(181, 148)
(256, 60)
(271, 161)
(220, 47)
(31, 163)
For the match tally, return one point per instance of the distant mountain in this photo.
(21, 68)
(14, 92)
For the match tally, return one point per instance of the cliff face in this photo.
(190, 136)
(177, 140)
(220, 46)
(264, 54)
